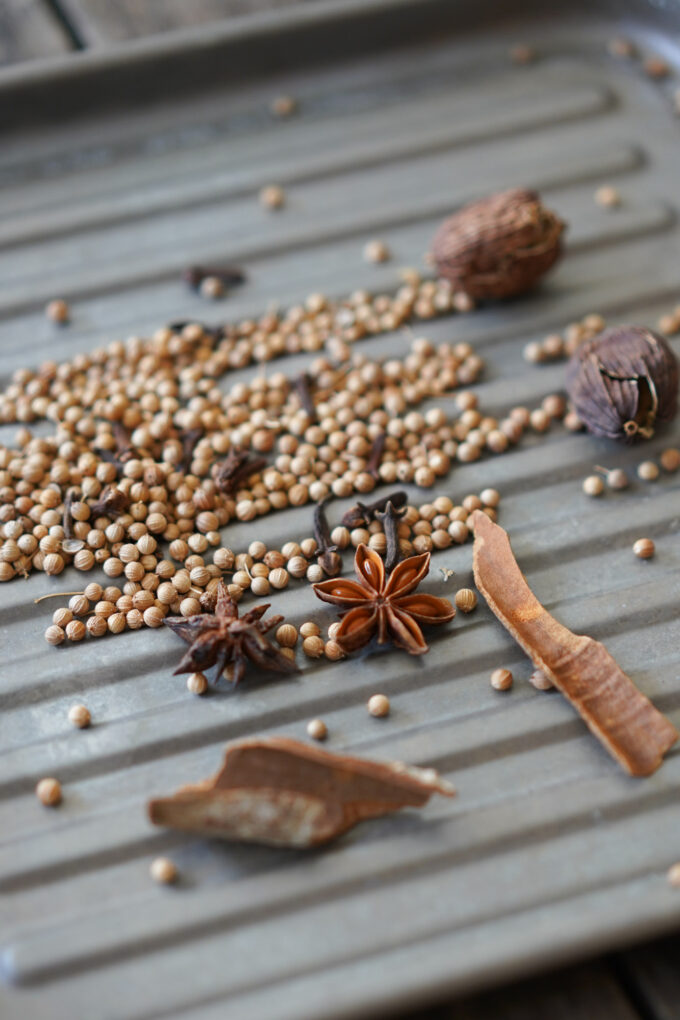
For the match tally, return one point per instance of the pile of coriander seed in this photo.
(129, 480)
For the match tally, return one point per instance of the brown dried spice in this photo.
(238, 466)
(223, 638)
(499, 246)
(619, 715)
(623, 382)
(388, 607)
(282, 792)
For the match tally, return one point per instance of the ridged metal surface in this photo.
(548, 851)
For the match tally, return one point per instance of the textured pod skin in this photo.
(624, 382)
(499, 246)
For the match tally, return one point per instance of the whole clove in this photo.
(281, 792)
(375, 456)
(390, 518)
(70, 544)
(328, 556)
(113, 502)
(302, 386)
(624, 382)
(188, 438)
(361, 514)
(235, 469)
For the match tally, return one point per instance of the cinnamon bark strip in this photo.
(619, 715)
(282, 792)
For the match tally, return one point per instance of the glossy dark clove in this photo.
(362, 514)
(302, 386)
(113, 501)
(329, 558)
(375, 456)
(188, 438)
(390, 518)
(235, 469)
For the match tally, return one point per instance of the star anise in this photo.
(382, 605)
(223, 638)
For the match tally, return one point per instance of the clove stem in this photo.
(390, 520)
(301, 385)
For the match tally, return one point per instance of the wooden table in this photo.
(640, 983)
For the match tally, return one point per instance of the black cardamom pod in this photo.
(624, 382)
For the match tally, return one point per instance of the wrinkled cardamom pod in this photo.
(624, 382)
(499, 246)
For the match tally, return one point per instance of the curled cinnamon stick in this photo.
(282, 792)
(619, 715)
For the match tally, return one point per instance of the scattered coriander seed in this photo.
(673, 875)
(378, 705)
(616, 478)
(621, 47)
(608, 197)
(287, 635)
(656, 67)
(313, 647)
(376, 251)
(60, 617)
(54, 635)
(465, 600)
(540, 420)
(670, 460)
(648, 471)
(490, 497)
(522, 54)
(197, 683)
(540, 681)
(333, 630)
(593, 485)
(272, 197)
(644, 548)
(317, 729)
(333, 651)
(283, 106)
(75, 630)
(309, 629)
(57, 311)
(48, 792)
(260, 586)
(96, 626)
(533, 353)
(501, 679)
(211, 287)
(163, 871)
(278, 578)
(79, 716)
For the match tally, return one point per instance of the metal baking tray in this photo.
(117, 170)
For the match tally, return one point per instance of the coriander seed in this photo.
(644, 548)
(272, 197)
(501, 679)
(673, 875)
(593, 485)
(163, 871)
(648, 471)
(670, 460)
(313, 647)
(48, 792)
(465, 600)
(197, 683)
(54, 635)
(608, 197)
(378, 706)
(317, 729)
(79, 716)
(287, 635)
(376, 251)
(540, 681)
(333, 651)
(57, 311)
(309, 629)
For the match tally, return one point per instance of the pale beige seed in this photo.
(644, 548)
(333, 651)
(287, 635)
(283, 106)
(197, 683)
(617, 479)
(309, 629)
(593, 485)
(48, 792)
(378, 706)
(673, 875)
(212, 288)
(333, 630)
(62, 616)
(648, 471)
(313, 647)
(670, 460)
(522, 54)
(153, 616)
(76, 630)
(534, 353)
(163, 871)
(540, 681)
(490, 497)
(317, 729)
(53, 564)
(656, 67)
(608, 197)
(272, 197)
(96, 626)
(57, 311)
(376, 251)
(79, 716)
(501, 679)
(465, 600)
(278, 578)
(54, 635)
(260, 586)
